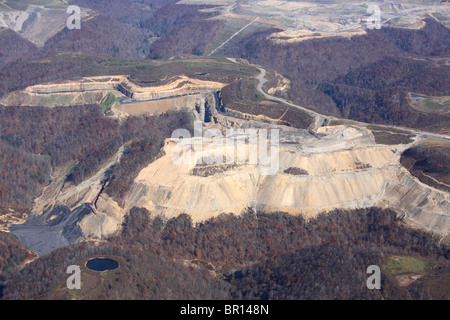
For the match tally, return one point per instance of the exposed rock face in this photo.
(202, 105)
(182, 93)
(333, 181)
(351, 171)
(181, 86)
(24, 98)
(421, 205)
(81, 85)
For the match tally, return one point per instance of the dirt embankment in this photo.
(181, 86)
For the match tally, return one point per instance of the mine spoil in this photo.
(43, 234)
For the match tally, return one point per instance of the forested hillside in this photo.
(132, 29)
(365, 78)
(62, 135)
(12, 253)
(269, 256)
(13, 47)
(429, 163)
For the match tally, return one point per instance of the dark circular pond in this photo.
(102, 264)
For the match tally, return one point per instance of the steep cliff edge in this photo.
(343, 168)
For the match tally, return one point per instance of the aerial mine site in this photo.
(224, 150)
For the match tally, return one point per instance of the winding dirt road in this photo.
(320, 118)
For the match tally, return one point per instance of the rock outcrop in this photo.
(348, 173)
(178, 87)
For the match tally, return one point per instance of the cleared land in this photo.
(415, 272)
(23, 4)
(390, 136)
(398, 265)
(92, 282)
(430, 104)
(302, 20)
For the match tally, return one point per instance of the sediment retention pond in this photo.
(102, 264)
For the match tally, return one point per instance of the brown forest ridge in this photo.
(357, 78)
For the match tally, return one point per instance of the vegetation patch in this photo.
(362, 166)
(435, 142)
(430, 104)
(70, 168)
(296, 171)
(385, 137)
(209, 170)
(108, 101)
(342, 122)
(397, 265)
(390, 136)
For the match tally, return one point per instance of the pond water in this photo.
(102, 264)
